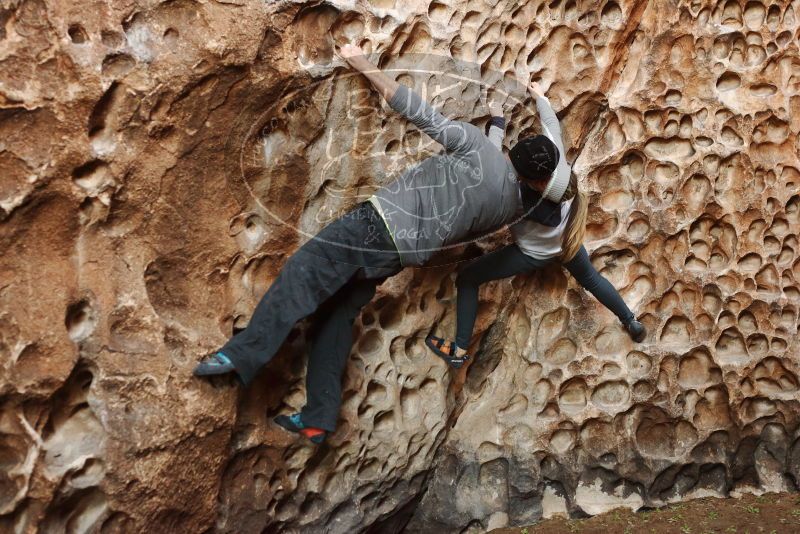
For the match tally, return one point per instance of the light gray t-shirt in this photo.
(469, 191)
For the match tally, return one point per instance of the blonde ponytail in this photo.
(573, 235)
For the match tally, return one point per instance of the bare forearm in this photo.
(355, 57)
(386, 86)
(380, 81)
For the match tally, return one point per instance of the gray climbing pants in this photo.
(338, 270)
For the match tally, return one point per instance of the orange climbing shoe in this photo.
(437, 345)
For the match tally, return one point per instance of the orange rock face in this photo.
(160, 160)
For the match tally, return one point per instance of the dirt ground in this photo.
(773, 513)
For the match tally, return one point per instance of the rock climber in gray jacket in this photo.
(470, 190)
(551, 231)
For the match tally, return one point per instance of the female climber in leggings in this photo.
(551, 230)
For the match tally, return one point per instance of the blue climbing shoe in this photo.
(636, 330)
(214, 364)
(293, 423)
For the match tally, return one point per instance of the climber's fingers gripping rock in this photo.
(355, 57)
(535, 89)
(495, 104)
(353, 54)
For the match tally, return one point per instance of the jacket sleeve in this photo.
(550, 124)
(497, 131)
(455, 136)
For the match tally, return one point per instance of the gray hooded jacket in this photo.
(468, 191)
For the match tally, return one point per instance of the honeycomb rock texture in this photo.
(157, 159)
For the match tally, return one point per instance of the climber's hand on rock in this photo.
(535, 89)
(495, 106)
(354, 56)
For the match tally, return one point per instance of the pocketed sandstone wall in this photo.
(158, 159)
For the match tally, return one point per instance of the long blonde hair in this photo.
(572, 238)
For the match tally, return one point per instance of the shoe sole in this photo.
(202, 372)
(289, 426)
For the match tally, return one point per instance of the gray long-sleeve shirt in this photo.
(469, 191)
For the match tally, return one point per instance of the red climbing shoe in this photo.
(293, 423)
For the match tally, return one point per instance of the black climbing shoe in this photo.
(636, 330)
(437, 345)
(214, 364)
(293, 423)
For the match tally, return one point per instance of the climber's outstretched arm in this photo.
(550, 125)
(455, 136)
(355, 57)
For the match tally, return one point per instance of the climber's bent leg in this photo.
(333, 340)
(587, 276)
(502, 263)
(354, 242)
(303, 284)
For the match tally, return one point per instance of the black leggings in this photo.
(510, 261)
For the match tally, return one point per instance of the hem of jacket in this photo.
(377, 204)
(528, 253)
